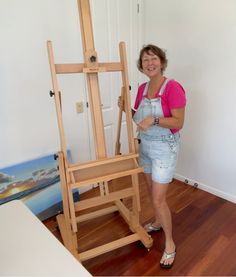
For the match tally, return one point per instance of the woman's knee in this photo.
(159, 201)
(159, 194)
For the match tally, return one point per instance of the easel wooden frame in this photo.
(103, 169)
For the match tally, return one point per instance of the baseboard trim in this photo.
(204, 187)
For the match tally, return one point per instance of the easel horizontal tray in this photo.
(104, 170)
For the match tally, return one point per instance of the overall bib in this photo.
(159, 148)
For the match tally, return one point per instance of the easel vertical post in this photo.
(57, 98)
(127, 97)
(90, 57)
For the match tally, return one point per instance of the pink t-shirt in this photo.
(173, 97)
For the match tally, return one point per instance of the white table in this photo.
(28, 248)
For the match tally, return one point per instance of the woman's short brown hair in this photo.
(156, 51)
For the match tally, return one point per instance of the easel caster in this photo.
(147, 244)
(141, 245)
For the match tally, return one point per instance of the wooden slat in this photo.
(127, 101)
(100, 200)
(136, 200)
(69, 238)
(57, 98)
(101, 187)
(111, 67)
(108, 247)
(72, 208)
(96, 214)
(124, 211)
(101, 162)
(118, 133)
(68, 68)
(64, 191)
(86, 27)
(106, 187)
(105, 172)
(92, 79)
(96, 115)
(105, 178)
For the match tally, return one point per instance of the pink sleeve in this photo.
(175, 95)
(139, 96)
(173, 98)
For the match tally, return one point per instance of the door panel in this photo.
(114, 21)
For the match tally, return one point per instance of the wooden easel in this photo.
(103, 169)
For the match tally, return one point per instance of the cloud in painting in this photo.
(4, 178)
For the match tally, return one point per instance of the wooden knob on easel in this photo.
(51, 93)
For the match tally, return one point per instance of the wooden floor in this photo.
(204, 228)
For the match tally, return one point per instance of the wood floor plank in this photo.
(224, 264)
(209, 258)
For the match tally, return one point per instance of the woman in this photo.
(159, 115)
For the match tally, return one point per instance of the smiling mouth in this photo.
(151, 69)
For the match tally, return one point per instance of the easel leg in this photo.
(69, 238)
(63, 220)
(144, 236)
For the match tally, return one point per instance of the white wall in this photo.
(27, 114)
(200, 39)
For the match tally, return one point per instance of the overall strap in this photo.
(161, 90)
(163, 87)
(146, 89)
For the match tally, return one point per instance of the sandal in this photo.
(150, 228)
(167, 256)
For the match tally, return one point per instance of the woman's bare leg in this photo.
(162, 210)
(148, 178)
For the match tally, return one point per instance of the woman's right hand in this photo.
(120, 103)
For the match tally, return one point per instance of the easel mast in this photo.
(91, 61)
(103, 169)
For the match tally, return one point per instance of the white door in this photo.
(115, 21)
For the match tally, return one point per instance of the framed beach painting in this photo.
(36, 183)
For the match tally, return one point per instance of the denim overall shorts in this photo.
(159, 147)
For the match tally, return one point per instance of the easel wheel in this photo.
(141, 245)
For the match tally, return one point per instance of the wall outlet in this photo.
(79, 107)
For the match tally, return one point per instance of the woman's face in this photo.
(151, 64)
